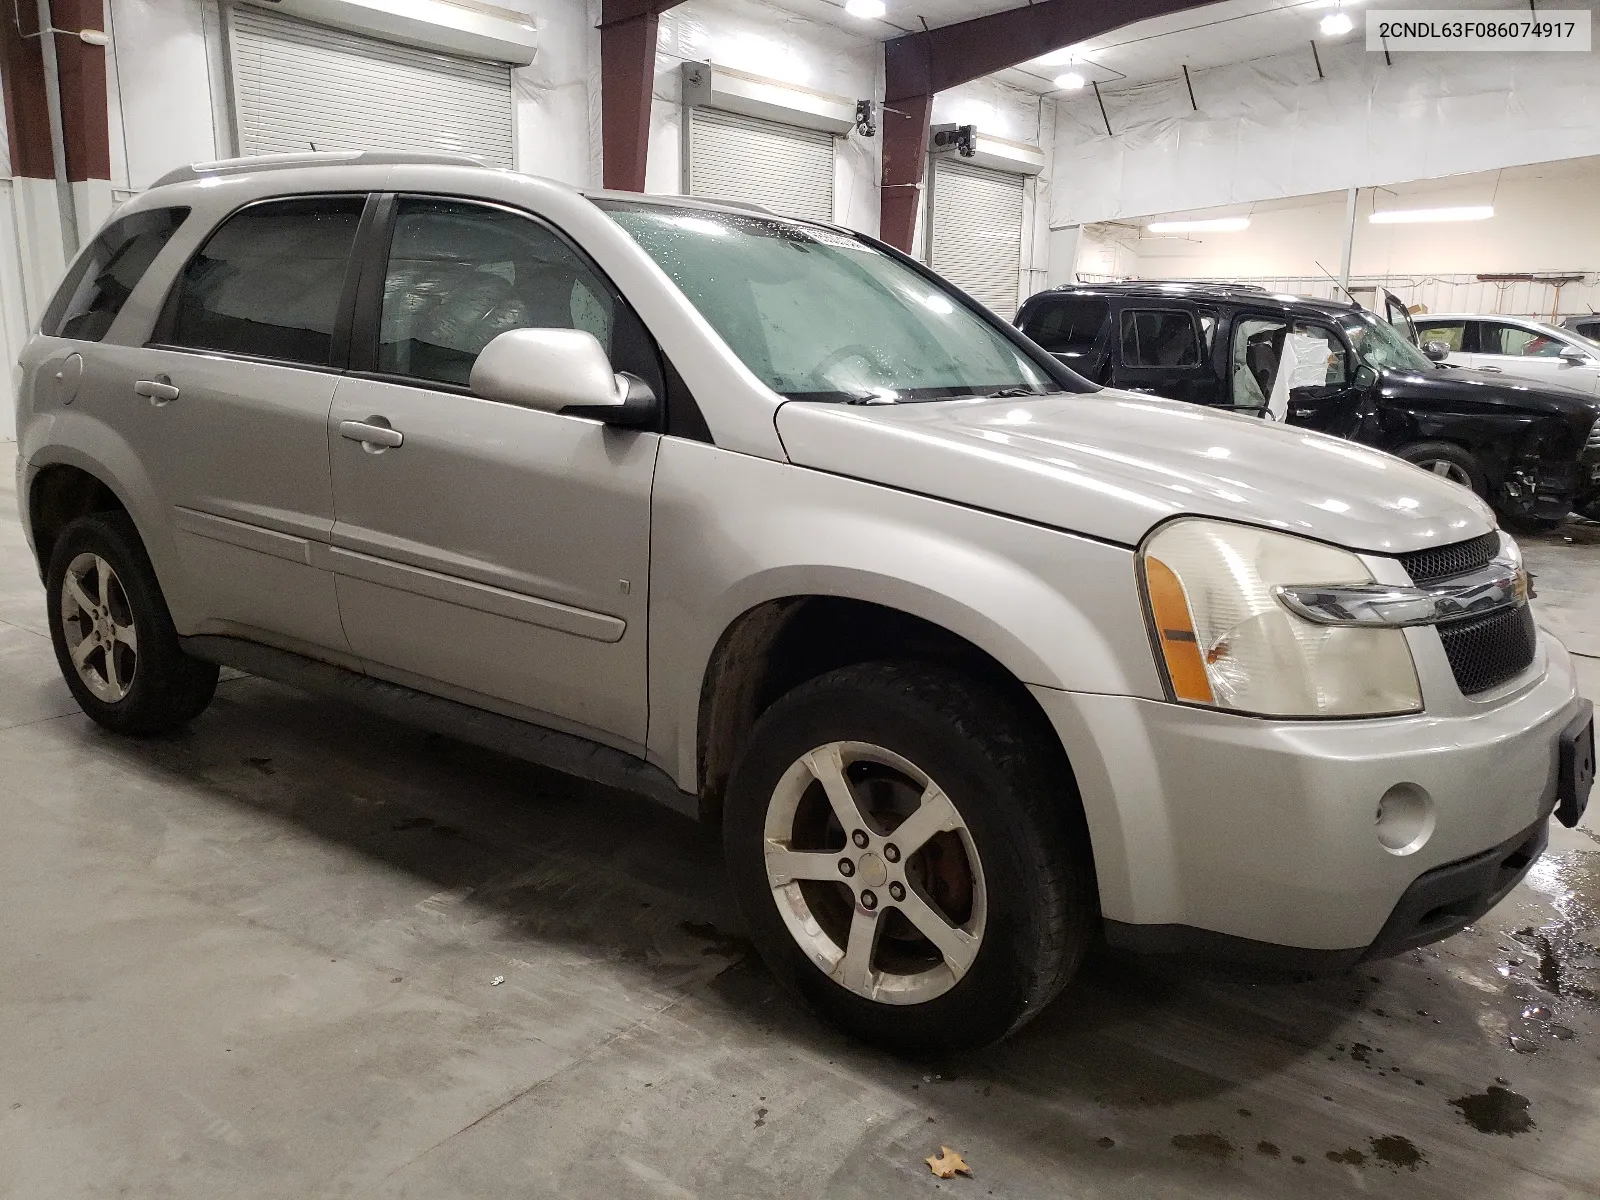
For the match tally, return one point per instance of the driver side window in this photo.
(459, 274)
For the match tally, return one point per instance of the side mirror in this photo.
(1574, 357)
(561, 371)
(1365, 377)
(1438, 351)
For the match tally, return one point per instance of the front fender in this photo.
(730, 532)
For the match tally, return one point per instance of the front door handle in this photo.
(370, 434)
(160, 391)
(1496, 370)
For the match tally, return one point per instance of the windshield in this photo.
(820, 315)
(1383, 347)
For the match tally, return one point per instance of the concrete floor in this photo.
(257, 960)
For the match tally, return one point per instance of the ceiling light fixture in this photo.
(867, 10)
(1213, 225)
(1072, 81)
(1337, 24)
(1416, 216)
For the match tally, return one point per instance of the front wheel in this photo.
(1448, 461)
(909, 856)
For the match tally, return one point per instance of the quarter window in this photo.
(1159, 338)
(460, 274)
(268, 283)
(103, 278)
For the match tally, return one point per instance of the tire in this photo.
(134, 679)
(1450, 461)
(1015, 874)
(1518, 522)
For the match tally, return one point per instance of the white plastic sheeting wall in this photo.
(1270, 128)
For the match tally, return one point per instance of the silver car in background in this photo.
(974, 662)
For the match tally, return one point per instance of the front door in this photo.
(1399, 316)
(227, 408)
(485, 551)
(1296, 371)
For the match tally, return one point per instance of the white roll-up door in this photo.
(785, 167)
(977, 232)
(297, 85)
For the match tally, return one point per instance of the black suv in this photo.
(1329, 366)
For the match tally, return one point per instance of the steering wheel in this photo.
(844, 353)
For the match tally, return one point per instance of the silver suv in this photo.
(976, 663)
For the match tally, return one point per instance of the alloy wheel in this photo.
(1446, 469)
(875, 873)
(98, 625)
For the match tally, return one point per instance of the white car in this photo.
(1515, 346)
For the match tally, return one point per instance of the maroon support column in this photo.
(627, 77)
(84, 122)
(917, 65)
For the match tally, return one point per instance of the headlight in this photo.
(1227, 642)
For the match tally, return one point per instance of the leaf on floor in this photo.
(948, 1164)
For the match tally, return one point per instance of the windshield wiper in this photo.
(1012, 393)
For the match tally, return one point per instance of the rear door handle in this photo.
(159, 391)
(371, 435)
(1496, 370)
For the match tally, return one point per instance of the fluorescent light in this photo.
(1072, 81)
(1055, 58)
(1337, 24)
(1414, 216)
(867, 10)
(1215, 225)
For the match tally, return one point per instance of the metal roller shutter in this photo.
(298, 85)
(786, 168)
(977, 232)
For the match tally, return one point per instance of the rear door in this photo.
(1073, 328)
(1164, 351)
(1517, 350)
(227, 408)
(484, 551)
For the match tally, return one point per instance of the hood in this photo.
(1492, 388)
(1113, 464)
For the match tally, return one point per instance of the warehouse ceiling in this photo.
(1209, 36)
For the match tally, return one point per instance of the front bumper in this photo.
(1254, 840)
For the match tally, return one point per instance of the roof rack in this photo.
(316, 158)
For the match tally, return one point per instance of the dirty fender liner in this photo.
(507, 735)
(1438, 903)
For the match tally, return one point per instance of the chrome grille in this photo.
(1446, 562)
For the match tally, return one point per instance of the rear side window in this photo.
(1067, 326)
(1159, 338)
(104, 276)
(269, 282)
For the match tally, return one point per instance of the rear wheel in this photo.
(113, 635)
(905, 853)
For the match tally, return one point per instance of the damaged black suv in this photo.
(1333, 367)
